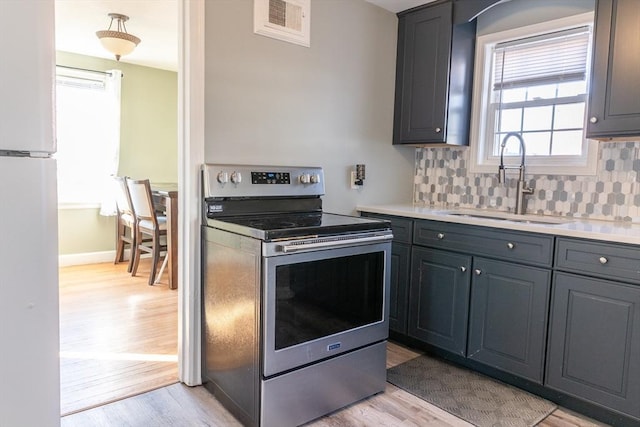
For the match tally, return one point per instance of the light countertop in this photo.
(609, 231)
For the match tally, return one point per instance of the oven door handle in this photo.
(333, 243)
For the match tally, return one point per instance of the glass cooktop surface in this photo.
(283, 226)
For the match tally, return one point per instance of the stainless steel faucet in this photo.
(522, 188)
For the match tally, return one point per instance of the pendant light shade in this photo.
(117, 40)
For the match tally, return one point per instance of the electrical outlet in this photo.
(353, 181)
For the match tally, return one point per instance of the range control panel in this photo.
(270, 178)
(222, 181)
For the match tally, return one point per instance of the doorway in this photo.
(104, 311)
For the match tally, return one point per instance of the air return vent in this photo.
(286, 20)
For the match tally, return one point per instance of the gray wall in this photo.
(271, 102)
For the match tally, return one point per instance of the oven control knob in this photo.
(305, 178)
(236, 177)
(315, 178)
(223, 177)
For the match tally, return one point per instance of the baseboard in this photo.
(88, 258)
(92, 257)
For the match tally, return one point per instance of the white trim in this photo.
(191, 37)
(67, 260)
(557, 166)
(73, 206)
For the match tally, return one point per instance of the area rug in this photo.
(473, 397)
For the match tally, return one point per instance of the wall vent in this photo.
(286, 20)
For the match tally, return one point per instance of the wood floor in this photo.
(118, 335)
(179, 405)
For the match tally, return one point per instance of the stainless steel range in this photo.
(294, 299)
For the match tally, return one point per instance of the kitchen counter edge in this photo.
(606, 231)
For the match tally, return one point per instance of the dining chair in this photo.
(148, 223)
(126, 222)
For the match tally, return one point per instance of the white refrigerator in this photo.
(29, 325)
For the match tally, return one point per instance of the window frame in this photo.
(481, 158)
(99, 79)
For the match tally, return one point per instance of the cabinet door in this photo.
(508, 317)
(594, 342)
(422, 75)
(614, 102)
(439, 298)
(399, 285)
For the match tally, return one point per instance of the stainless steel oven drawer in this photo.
(300, 396)
(610, 261)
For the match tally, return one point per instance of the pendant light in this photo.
(118, 41)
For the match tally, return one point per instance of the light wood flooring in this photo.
(178, 405)
(118, 335)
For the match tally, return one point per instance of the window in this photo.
(534, 81)
(88, 134)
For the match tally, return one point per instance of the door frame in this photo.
(191, 23)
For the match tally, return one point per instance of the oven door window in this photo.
(319, 298)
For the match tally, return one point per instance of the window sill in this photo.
(585, 169)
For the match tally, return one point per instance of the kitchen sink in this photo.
(505, 216)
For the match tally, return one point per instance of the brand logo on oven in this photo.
(334, 346)
(215, 208)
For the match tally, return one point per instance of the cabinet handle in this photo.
(593, 119)
(438, 130)
(477, 271)
(603, 260)
(511, 245)
(440, 236)
(463, 268)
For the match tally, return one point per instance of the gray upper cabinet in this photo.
(434, 66)
(614, 100)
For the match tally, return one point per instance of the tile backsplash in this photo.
(442, 179)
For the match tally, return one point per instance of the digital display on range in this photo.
(270, 178)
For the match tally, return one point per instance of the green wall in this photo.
(148, 145)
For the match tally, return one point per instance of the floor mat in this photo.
(471, 396)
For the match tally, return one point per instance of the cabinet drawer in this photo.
(515, 246)
(611, 261)
(402, 227)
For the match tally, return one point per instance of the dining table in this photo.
(165, 199)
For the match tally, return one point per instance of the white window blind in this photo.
(549, 58)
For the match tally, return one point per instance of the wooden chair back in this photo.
(142, 200)
(123, 198)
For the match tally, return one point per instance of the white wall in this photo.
(518, 13)
(271, 102)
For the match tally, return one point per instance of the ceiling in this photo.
(398, 5)
(155, 22)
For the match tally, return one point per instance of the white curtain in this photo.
(112, 87)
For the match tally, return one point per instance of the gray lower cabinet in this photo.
(508, 317)
(400, 257)
(594, 341)
(439, 298)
